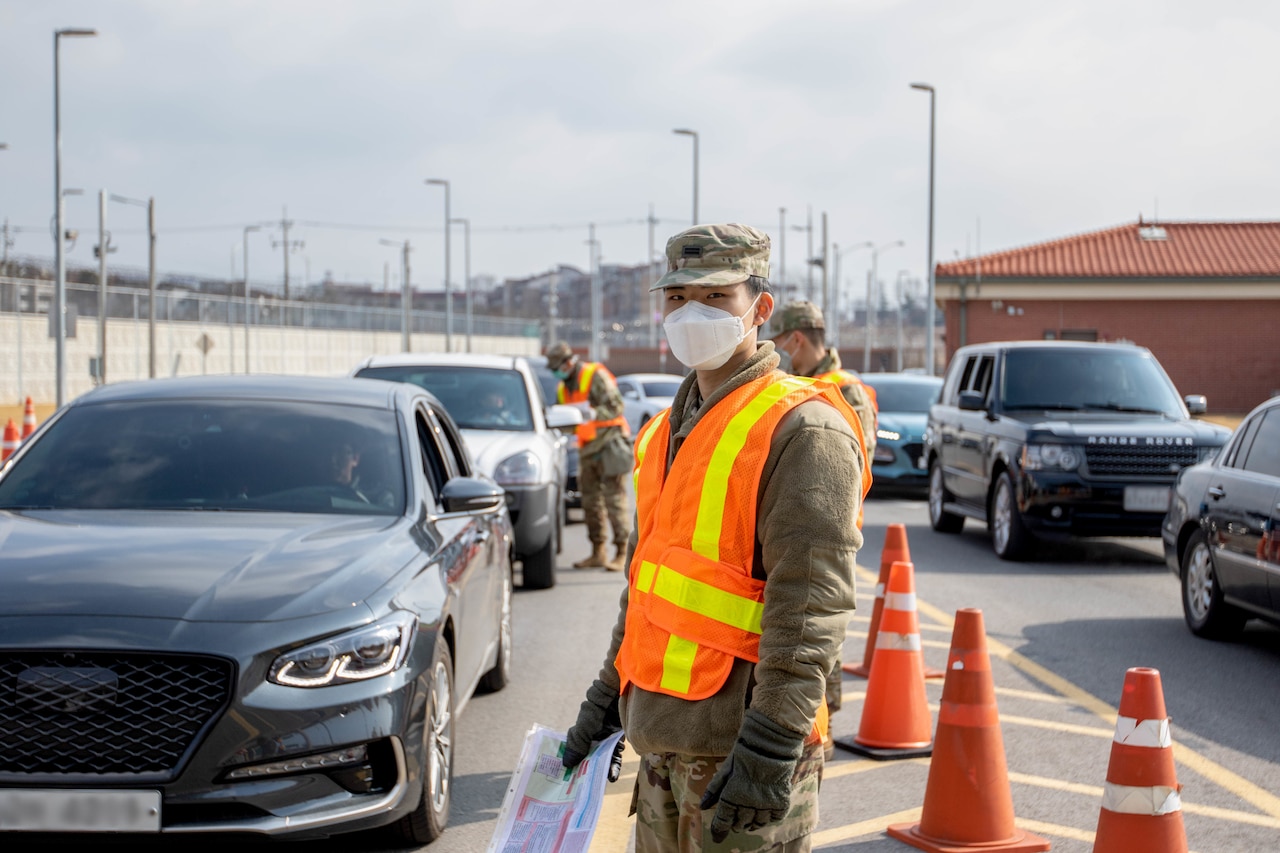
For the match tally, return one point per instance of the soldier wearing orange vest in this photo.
(740, 572)
(604, 451)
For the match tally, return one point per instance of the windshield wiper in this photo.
(1063, 407)
(1117, 407)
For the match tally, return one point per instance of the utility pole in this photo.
(808, 286)
(288, 247)
(593, 352)
(151, 283)
(101, 250)
(826, 288)
(648, 283)
(782, 249)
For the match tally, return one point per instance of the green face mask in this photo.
(562, 375)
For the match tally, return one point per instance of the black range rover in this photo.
(1056, 438)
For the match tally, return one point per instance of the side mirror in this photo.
(562, 417)
(471, 494)
(630, 393)
(1196, 404)
(972, 401)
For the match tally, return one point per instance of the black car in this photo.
(245, 604)
(1058, 438)
(1222, 532)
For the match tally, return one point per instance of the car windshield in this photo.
(247, 455)
(1120, 380)
(475, 397)
(904, 396)
(661, 388)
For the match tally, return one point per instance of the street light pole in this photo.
(871, 277)
(782, 248)
(929, 302)
(247, 302)
(150, 205)
(686, 132)
(102, 287)
(448, 294)
(466, 273)
(60, 287)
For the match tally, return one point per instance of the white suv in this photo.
(496, 403)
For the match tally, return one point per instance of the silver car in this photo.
(646, 394)
(496, 402)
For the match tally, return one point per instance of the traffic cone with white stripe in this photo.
(895, 550)
(967, 801)
(28, 418)
(895, 714)
(10, 443)
(1141, 807)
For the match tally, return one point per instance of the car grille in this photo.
(1138, 461)
(913, 452)
(105, 712)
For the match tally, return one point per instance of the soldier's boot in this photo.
(597, 558)
(619, 561)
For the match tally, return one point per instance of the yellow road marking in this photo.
(851, 768)
(866, 827)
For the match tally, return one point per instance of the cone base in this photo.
(1021, 842)
(884, 753)
(1135, 833)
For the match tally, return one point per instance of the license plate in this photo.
(1146, 498)
(62, 810)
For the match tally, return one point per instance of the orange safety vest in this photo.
(693, 605)
(844, 377)
(586, 430)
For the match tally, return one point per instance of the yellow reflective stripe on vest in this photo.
(584, 380)
(707, 600)
(715, 485)
(677, 664)
(642, 444)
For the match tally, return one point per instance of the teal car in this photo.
(903, 401)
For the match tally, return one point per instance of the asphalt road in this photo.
(1061, 629)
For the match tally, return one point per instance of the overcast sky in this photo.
(1052, 119)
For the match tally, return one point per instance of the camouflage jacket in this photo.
(606, 401)
(806, 545)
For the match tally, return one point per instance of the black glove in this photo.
(597, 719)
(753, 785)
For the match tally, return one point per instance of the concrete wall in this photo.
(28, 360)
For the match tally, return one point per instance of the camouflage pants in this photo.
(669, 789)
(603, 495)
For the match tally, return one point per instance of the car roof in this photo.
(311, 389)
(457, 359)
(651, 377)
(1056, 345)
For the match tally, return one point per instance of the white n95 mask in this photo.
(702, 337)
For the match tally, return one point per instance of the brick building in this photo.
(1204, 297)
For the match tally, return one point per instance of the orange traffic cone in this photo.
(10, 443)
(1141, 808)
(967, 802)
(894, 550)
(28, 418)
(895, 714)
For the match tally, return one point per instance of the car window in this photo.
(662, 388)
(475, 397)
(452, 446)
(967, 373)
(981, 380)
(1264, 451)
(433, 464)
(1239, 448)
(1088, 379)
(904, 396)
(226, 455)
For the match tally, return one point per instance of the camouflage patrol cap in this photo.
(800, 314)
(715, 255)
(557, 354)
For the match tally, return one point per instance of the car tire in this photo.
(498, 677)
(939, 519)
(540, 567)
(427, 821)
(1207, 614)
(1010, 538)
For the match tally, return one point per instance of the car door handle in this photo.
(1217, 492)
(483, 535)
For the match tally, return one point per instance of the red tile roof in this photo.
(1189, 250)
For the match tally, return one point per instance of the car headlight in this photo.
(358, 655)
(522, 469)
(888, 434)
(1204, 454)
(1048, 457)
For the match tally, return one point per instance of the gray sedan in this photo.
(245, 605)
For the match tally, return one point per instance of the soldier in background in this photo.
(604, 452)
(801, 334)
